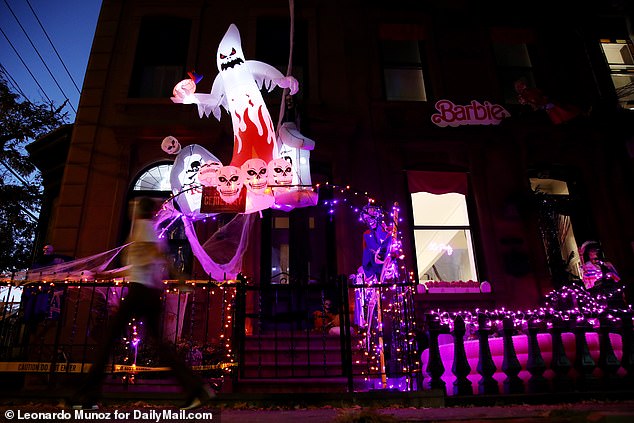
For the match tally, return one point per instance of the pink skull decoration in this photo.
(280, 172)
(230, 182)
(184, 89)
(255, 174)
(208, 173)
(170, 145)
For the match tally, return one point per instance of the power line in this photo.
(40, 56)
(52, 45)
(13, 82)
(27, 68)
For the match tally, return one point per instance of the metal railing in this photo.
(56, 328)
(225, 329)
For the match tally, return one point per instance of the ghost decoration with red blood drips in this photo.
(237, 89)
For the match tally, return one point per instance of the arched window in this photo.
(156, 178)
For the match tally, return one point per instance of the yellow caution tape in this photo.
(37, 367)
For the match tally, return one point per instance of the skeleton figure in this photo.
(280, 172)
(170, 145)
(230, 182)
(256, 175)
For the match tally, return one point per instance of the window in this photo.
(161, 56)
(442, 230)
(156, 178)
(511, 51)
(403, 70)
(555, 206)
(298, 246)
(403, 62)
(620, 57)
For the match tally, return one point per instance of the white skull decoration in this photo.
(255, 174)
(170, 145)
(184, 88)
(230, 182)
(208, 174)
(280, 172)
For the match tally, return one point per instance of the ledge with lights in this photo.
(453, 287)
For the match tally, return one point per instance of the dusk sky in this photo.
(70, 25)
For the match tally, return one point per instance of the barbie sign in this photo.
(450, 114)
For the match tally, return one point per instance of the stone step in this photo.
(291, 372)
(285, 341)
(294, 385)
(292, 355)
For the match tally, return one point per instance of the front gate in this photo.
(288, 338)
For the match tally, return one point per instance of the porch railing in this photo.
(553, 356)
(53, 329)
(233, 330)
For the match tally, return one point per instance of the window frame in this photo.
(459, 186)
(146, 171)
(405, 33)
(514, 37)
(621, 70)
(163, 63)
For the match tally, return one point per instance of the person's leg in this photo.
(91, 388)
(191, 383)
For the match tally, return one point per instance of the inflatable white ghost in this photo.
(237, 89)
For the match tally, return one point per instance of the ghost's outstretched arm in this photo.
(266, 76)
(207, 103)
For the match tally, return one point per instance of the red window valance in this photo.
(437, 182)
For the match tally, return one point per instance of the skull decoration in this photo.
(184, 89)
(372, 215)
(255, 174)
(208, 174)
(170, 145)
(230, 182)
(280, 172)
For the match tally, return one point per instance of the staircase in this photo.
(293, 361)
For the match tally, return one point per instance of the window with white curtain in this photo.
(442, 230)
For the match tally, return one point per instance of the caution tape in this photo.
(215, 366)
(37, 367)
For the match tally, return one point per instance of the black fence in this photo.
(51, 330)
(227, 330)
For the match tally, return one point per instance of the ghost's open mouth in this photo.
(231, 63)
